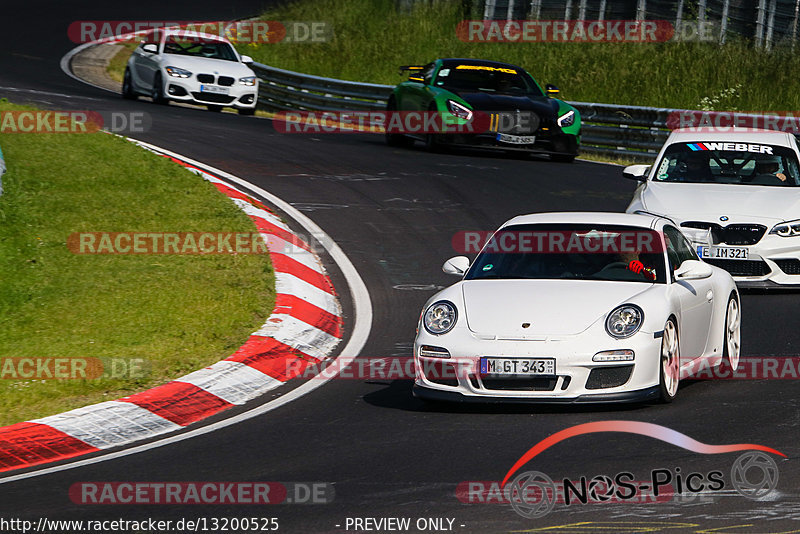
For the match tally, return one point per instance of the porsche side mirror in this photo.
(551, 90)
(150, 48)
(457, 265)
(636, 172)
(693, 270)
(247, 59)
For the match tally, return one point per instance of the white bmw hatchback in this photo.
(736, 195)
(576, 307)
(196, 68)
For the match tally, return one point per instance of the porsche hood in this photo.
(501, 307)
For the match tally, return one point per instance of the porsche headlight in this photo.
(567, 119)
(460, 111)
(248, 80)
(177, 72)
(624, 321)
(440, 317)
(787, 229)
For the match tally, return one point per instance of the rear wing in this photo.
(412, 71)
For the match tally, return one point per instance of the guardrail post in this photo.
(536, 9)
(770, 25)
(761, 10)
(723, 27)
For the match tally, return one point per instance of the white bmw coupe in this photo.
(196, 68)
(735, 195)
(576, 307)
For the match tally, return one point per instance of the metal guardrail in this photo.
(633, 132)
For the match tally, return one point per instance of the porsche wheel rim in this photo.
(733, 333)
(670, 359)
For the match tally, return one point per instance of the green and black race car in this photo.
(517, 114)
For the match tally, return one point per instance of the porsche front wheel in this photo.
(670, 362)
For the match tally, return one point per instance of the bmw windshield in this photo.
(200, 48)
(729, 163)
(501, 79)
(572, 251)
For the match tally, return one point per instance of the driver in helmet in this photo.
(770, 167)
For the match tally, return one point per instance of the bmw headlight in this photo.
(787, 229)
(460, 111)
(177, 72)
(440, 317)
(567, 119)
(624, 321)
(248, 80)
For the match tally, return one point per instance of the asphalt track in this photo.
(393, 212)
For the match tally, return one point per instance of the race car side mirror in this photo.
(457, 265)
(150, 48)
(693, 270)
(636, 172)
(551, 90)
(247, 59)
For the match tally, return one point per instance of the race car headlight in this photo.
(440, 317)
(248, 80)
(177, 72)
(462, 112)
(787, 229)
(567, 119)
(624, 321)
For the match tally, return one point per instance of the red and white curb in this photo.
(304, 328)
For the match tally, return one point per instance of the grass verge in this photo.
(372, 38)
(177, 313)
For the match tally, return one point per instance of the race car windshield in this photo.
(486, 79)
(572, 252)
(729, 163)
(199, 48)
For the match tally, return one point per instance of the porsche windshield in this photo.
(729, 163)
(572, 251)
(200, 48)
(501, 79)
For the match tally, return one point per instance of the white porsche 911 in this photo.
(736, 196)
(576, 307)
(197, 68)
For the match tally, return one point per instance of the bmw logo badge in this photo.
(723, 218)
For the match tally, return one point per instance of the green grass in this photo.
(372, 39)
(178, 313)
(116, 67)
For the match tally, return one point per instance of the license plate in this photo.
(518, 366)
(516, 139)
(213, 89)
(723, 253)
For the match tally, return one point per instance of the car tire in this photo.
(732, 347)
(247, 111)
(216, 108)
(669, 362)
(127, 86)
(157, 92)
(393, 139)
